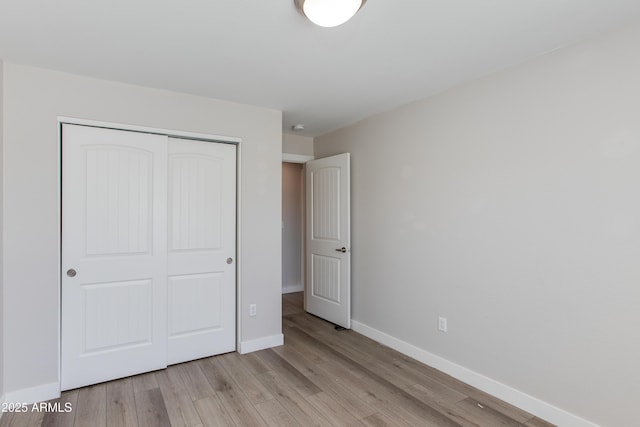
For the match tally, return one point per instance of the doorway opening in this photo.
(293, 227)
(325, 254)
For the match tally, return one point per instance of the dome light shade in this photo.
(329, 13)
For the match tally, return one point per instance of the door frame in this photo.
(160, 131)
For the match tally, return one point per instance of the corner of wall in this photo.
(261, 343)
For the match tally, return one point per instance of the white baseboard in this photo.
(292, 289)
(33, 394)
(510, 395)
(261, 343)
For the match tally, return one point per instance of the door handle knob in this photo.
(229, 260)
(71, 272)
(342, 249)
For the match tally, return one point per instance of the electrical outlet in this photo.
(252, 310)
(442, 324)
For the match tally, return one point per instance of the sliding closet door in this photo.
(201, 255)
(114, 254)
(148, 252)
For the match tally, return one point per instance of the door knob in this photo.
(342, 249)
(229, 260)
(71, 272)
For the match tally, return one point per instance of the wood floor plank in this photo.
(296, 359)
(298, 339)
(292, 304)
(395, 376)
(150, 409)
(388, 367)
(92, 406)
(381, 420)
(290, 374)
(180, 407)
(332, 410)
(342, 340)
(144, 382)
(537, 422)
(433, 391)
(121, 409)
(474, 411)
(292, 401)
(252, 388)
(368, 348)
(348, 356)
(396, 404)
(447, 407)
(237, 404)
(310, 322)
(24, 419)
(62, 418)
(275, 415)
(213, 413)
(241, 410)
(253, 363)
(6, 419)
(299, 344)
(195, 381)
(369, 391)
(355, 383)
(215, 375)
(377, 356)
(329, 385)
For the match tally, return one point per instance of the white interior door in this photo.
(201, 264)
(113, 254)
(328, 292)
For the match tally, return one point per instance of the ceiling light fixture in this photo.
(329, 13)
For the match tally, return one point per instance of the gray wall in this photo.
(32, 99)
(511, 206)
(296, 144)
(1, 234)
(292, 211)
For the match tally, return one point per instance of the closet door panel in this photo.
(201, 256)
(113, 254)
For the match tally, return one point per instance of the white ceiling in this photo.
(262, 52)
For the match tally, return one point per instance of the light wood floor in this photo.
(320, 377)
